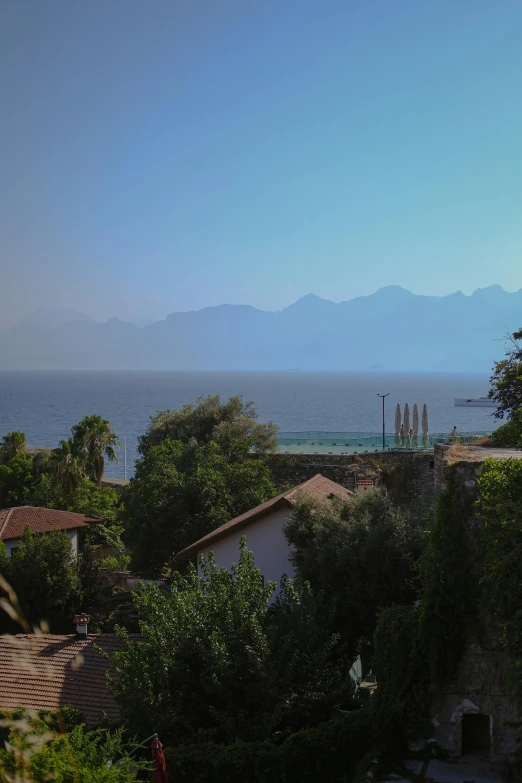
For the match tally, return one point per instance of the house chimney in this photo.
(81, 621)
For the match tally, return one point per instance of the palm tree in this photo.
(11, 444)
(67, 466)
(95, 439)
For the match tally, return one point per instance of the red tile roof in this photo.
(14, 521)
(46, 672)
(319, 488)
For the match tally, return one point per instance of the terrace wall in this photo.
(408, 475)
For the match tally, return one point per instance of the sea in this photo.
(45, 405)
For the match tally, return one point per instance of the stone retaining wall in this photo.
(408, 475)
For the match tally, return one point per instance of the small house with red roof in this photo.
(15, 521)
(48, 672)
(263, 527)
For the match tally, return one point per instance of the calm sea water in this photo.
(45, 405)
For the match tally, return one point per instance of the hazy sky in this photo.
(160, 155)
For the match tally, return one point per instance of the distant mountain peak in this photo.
(307, 302)
(489, 288)
(49, 319)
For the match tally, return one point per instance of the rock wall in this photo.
(408, 476)
(479, 687)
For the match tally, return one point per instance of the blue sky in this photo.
(172, 154)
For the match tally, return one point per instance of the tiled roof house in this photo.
(14, 522)
(263, 527)
(47, 672)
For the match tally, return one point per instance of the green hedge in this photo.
(330, 752)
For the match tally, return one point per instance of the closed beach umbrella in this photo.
(415, 424)
(425, 423)
(398, 420)
(158, 763)
(406, 419)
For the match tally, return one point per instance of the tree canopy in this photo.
(209, 419)
(214, 664)
(361, 554)
(46, 579)
(93, 440)
(506, 380)
(11, 444)
(16, 478)
(176, 498)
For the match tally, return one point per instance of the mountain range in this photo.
(391, 329)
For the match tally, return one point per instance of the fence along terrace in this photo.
(364, 442)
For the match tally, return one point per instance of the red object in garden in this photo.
(158, 762)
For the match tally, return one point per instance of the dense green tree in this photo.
(214, 663)
(209, 419)
(87, 498)
(94, 440)
(16, 479)
(46, 579)
(361, 554)
(506, 380)
(67, 465)
(11, 444)
(176, 498)
(102, 503)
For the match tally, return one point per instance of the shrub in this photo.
(402, 699)
(329, 752)
(510, 434)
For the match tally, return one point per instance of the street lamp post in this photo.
(383, 396)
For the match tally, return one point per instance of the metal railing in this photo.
(360, 443)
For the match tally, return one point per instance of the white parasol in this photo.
(425, 423)
(406, 419)
(398, 420)
(415, 424)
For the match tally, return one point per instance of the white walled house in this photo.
(263, 527)
(14, 522)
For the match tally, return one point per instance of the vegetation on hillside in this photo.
(242, 679)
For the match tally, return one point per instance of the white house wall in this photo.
(12, 543)
(265, 538)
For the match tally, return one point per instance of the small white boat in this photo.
(476, 402)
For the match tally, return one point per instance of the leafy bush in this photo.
(215, 664)
(510, 434)
(35, 753)
(506, 380)
(329, 752)
(361, 554)
(402, 700)
(209, 419)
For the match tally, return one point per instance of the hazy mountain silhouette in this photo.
(392, 327)
(50, 318)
